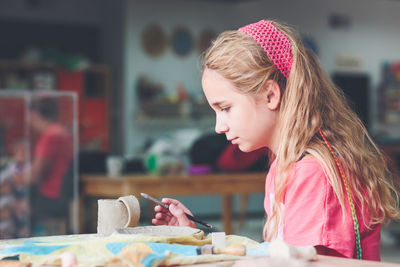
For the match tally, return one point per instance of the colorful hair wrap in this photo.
(275, 44)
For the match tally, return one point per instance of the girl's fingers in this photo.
(174, 215)
(158, 208)
(177, 203)
(174, 222)
(179, 215)
(162, 216)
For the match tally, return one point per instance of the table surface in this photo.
(225, 185)
(322, 261)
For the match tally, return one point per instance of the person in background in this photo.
(14, 207)
(232, 159)
(213, 153)
(328, 185)
(51, 162)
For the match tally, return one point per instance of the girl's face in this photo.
(246, 120)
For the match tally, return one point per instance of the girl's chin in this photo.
(249, 147)
(245, 148)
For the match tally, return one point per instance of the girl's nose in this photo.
(220, 126)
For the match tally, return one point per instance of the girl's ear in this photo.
(272, 94)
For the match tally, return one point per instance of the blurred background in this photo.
(126, 79)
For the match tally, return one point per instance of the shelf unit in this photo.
(91, 84)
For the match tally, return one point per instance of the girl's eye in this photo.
(225, 108)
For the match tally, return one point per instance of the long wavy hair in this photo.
(310, 101)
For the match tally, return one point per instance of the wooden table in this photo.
(322, 261)
(225, 185)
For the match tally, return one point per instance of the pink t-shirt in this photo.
(312, 214)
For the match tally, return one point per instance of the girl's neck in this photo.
(274, 142)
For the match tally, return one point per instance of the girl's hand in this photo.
(174, 216)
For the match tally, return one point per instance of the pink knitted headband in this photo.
(275, 44)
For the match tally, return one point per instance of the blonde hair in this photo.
(310, 101)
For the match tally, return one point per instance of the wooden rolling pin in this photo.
(237, 249)
(9, 263)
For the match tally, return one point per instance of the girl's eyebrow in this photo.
(217, 104)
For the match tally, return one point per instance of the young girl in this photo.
(328, 185)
